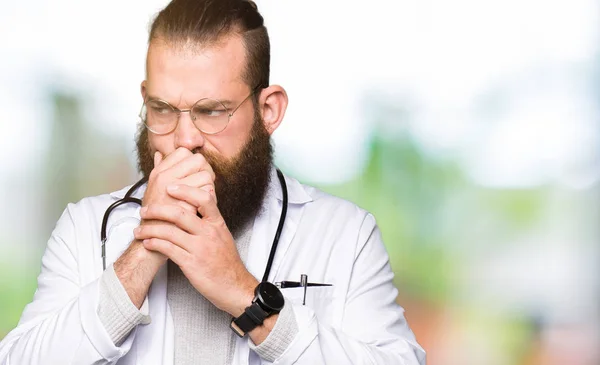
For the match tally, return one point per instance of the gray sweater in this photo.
(202, 333)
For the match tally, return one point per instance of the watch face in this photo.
(270, 296)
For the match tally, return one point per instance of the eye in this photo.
(209, 112)
(215, 112)
(159, 108)
(209, 109)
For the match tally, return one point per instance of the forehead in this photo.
(183, 74)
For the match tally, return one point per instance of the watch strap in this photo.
(252, 317)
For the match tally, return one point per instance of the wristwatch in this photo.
(267, 301)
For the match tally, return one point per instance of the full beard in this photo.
(241, 182)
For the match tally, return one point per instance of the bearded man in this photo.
(225, 260)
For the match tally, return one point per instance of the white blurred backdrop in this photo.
(504, 93)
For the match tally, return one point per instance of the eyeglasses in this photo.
(210, 116)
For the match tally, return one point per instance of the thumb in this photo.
(157, 158)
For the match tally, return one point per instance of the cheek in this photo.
(229, 142)
(163, 144)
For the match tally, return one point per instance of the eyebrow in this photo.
(227, 103)
(152, 97)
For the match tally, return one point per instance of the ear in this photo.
(272, 102)
(143, 90)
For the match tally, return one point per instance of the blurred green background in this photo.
(469, 129)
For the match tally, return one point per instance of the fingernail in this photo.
(143, 210)
(146, 241)
(172, 187)
(137, 230)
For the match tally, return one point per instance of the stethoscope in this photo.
(128, 198)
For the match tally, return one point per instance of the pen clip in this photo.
(304, 284)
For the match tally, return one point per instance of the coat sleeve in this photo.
(61, 324)
(373, 330)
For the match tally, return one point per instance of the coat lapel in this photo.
(265, 225)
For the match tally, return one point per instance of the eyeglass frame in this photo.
(179, 111)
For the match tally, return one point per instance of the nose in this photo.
(186, 133)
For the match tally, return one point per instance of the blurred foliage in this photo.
(17, 283)
(405, 192)
(84, 161)
(429, 212)
(81, 161)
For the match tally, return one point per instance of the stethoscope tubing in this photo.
(128, 198)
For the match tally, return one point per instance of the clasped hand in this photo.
(179, 187)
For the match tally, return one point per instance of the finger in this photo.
(166, 231)
(191, 165)
(157, 158)
(173, 158)
(207, 206)
(172, 251)
(198, 179)
(190, 208)
(175, 214)
(202, 180)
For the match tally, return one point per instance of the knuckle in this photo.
(185, 206)
(199, 160)
(211, 232)
(150, 209)
(206, 176)
(186, 262)
(153, 177)
(149, 230)
(151, 243)
(204, 197)
(199, 157)
(155, 211)
(159, 177)
(179, 213)
(166, 247)
(162, 246)
(155, 245)
(221, 225)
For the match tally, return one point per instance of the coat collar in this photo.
(297, 194)
(120, 194)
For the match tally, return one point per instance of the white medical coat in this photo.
(355, 321)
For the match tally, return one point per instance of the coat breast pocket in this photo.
(320, 299)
